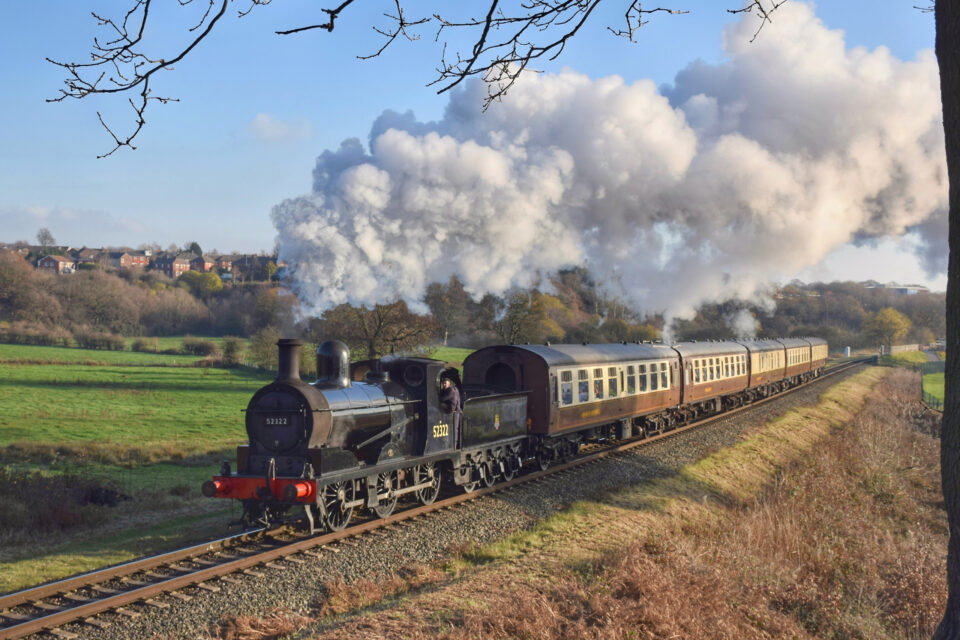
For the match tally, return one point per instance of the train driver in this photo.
(450, 401)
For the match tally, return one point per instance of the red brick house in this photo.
(88, 256)
(56, 264)
(173, 266)
(120, 260)
(202, 263)
(224, 264)
(139, 259)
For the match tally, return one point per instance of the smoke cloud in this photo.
(737, 174)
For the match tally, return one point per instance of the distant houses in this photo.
(902, 289)
(64, 260)
(56, 264)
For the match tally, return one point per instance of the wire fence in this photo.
(937, 366)
(931, 401)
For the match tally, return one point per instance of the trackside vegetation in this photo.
(825, 523)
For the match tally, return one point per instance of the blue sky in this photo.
(256, 109)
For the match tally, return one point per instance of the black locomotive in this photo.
(366, 434)
(340, 443)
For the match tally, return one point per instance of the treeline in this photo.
(133, 302)
(842, 313)
(567, 307)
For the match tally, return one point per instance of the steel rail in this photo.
(173, 583)
(100, 576)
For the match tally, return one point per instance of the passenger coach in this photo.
(575, 387)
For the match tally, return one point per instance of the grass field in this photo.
(910, 357)
(151, 426)
(30, 354)
(150, 410)
(173, 342)
(933, 384)
(453, 355)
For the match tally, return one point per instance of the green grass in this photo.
(453, 355)
(911, 357)
(150, 425)
(182, 411)
(933, 384)
(173, 342)
(14, 353)
(21, 568)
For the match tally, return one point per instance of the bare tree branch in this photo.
(132, 69)
(402, 26)
(506, 43)
(328, 25)
(762, 12)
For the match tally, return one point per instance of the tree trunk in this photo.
(948, 57)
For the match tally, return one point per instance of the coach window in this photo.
(654, 378)
(598, 384)
(710, 371)
(696, 372)
(642, 378)
(583, 385)
(631, 379)
(663, 376)
(611, 382)
(566, 387)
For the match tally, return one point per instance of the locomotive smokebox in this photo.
(333, 365)
(288, 360)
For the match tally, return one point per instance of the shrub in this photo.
(99, 340)
(144, 345)
(263, 348)
(34, 503)
(232, 351)
(199, 347)
(35, 334)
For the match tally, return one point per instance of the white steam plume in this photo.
(738, 174)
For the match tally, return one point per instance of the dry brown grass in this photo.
(341, 597)
(277, 624)
(827, 523)
(33, 504)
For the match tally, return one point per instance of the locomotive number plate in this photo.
(441, 430)
(277, 422)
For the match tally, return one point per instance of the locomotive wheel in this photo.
(544, 458)
(507, 473)
(490, 474)
(334, 496)
(427, 473)
(386, 483)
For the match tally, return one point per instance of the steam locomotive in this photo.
(366, 434)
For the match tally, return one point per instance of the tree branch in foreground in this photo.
(506, 42)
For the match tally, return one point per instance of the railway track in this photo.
(158, 580)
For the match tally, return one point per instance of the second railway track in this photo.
(81, 599)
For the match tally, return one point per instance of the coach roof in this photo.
(693, 349)
(761, 345)
(560, 355)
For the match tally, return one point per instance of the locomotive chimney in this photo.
(288, 359)
(333, 364)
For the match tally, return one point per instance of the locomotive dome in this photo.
(333, 365)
